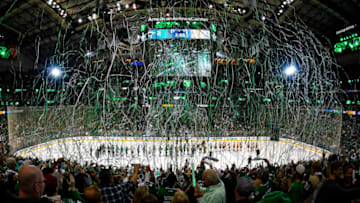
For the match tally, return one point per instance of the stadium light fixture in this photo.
(55, 72)
(290, 70)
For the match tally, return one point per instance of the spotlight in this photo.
(127, 6)
(94, 16)
(56, 72)
(134, 6)
(263, 18)
(80, 20)
(290, 70)
(50, 2)
(211, 6)
(2, 53)
(90, 54)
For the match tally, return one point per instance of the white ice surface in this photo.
(237, 150)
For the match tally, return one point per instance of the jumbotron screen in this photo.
(180, 52)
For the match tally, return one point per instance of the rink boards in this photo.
(170, 151)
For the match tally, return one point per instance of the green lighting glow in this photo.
(187, 83)
(171, 24)
(5, 52)
(351, 43)
(51, 90)
(213, 27)
(20, 90)
(143, 28)
(348, 102)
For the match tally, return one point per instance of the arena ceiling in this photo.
(34, 23)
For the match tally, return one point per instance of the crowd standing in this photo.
(333, 179)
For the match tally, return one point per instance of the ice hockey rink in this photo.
(161, 152)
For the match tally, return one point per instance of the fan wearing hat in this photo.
(296, 188)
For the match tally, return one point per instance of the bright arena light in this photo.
(290, 70)
(55, 72)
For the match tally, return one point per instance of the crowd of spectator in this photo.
(350, 139)
(332, 179)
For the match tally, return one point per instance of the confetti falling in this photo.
(214, 76)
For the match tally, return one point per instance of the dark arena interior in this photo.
(208, 101)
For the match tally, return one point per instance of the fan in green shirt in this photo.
(296, 189)
(264, 188)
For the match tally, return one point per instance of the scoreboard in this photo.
(179, 48)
